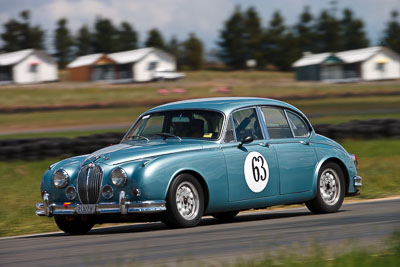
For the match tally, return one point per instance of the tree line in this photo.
(102, 37)
(242, 38)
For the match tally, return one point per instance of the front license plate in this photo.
(86, 209)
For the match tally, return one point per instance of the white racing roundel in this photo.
(256, 172)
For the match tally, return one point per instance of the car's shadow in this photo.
(206, 221)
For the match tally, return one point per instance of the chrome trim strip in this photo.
(290, 125)
(261, 120)
(150, 206)
(357, 181)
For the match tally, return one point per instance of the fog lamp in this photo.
(107, 192)
(70, 192)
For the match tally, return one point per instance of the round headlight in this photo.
(118, 177)
(107, 192)
(70, 192)
(60, 178)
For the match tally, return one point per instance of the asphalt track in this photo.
(249, 235)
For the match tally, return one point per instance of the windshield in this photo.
(198, 124)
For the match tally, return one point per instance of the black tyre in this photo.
(74, 225)
(185, 202)
(225, 215)
(330, 190)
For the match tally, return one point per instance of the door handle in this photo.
(265, 144)
(307, 143)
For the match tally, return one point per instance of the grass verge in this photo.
(319, 258)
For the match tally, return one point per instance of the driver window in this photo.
(246, 124)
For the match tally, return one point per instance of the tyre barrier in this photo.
(41, 148)
(374, 128)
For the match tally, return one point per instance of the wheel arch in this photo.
(341, 165)
(199, 178)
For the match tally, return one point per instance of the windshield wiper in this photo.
(166, 135)
(140, 137)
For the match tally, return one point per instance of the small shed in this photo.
(27, 66)
(137, 65)
(372, 63)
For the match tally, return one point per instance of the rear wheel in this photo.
(74, 225)
(225, 215)
(185, 202)
(330, 190)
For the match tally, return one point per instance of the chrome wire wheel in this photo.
(187, 200)
(329, 186)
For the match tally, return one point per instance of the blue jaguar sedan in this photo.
(214, 156)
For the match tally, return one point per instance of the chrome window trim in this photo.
(263, 124)
(301, 118)
(226, 130)
(290, 125)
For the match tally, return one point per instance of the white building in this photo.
(367, 64)
(138, 65)
(27, 66)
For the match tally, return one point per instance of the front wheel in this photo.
(185, 202)
(74, 225)
(330, 190)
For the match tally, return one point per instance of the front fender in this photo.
(156, 177)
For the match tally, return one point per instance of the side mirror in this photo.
(245, 140)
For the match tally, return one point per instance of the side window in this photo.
(229, 135)
(246, 124)
(299, 126)
(276, 122)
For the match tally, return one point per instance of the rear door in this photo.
(289, 134)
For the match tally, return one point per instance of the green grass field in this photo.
(20, 181)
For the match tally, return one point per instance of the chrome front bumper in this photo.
(123, 207)
(357, 181)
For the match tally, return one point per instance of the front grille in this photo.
(89, 184)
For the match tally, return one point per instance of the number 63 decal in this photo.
(257, 163)
(256, 172)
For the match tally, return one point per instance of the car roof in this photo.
(223, 104)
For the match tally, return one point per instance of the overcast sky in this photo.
(180, 17)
